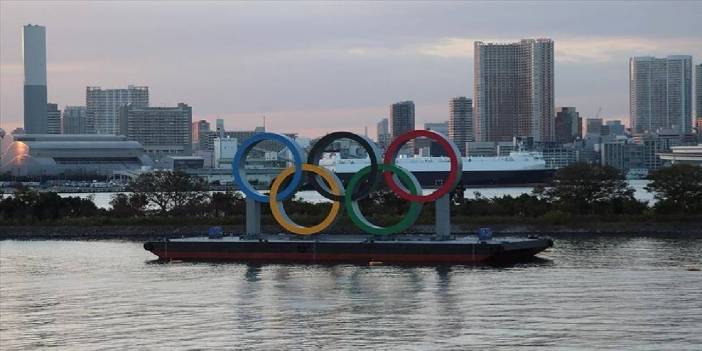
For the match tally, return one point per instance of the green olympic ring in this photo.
(357, 217)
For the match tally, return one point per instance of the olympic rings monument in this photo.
(310, 244)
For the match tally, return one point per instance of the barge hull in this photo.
(307, 251)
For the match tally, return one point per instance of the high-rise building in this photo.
(513, 85)
(103, 105)
(401, 118)
(203, 138)
(460, 124)
(163, 131)
(35, 100)
(568, 125)
(698, 92)
(75, 121)
(383, 133)
(53, 119)
(660, 93)
(401, 121)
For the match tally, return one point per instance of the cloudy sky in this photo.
(316, 67)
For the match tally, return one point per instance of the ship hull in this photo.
(360, 251)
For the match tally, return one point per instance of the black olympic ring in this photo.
(316, 154)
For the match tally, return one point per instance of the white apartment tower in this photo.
(102, 105)
(460, 124)
(513, 86)
(660, 93)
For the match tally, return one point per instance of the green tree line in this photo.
(577, 190)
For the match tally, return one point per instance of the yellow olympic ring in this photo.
(278, 210)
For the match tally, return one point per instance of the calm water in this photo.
(617, 293)
(103, 199)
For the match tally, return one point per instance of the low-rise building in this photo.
(53, 119)
(683, 154)
(559, 157)
(70, 155)
(622, 155)
(224, 151)
(180, 163)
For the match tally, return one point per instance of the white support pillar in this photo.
(443, 217)
(253, 217)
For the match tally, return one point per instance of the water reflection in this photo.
(597, 292)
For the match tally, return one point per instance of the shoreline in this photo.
(156, 232)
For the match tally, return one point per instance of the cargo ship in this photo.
(518, 168)
(355, 249)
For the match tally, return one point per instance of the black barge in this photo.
(359, 249)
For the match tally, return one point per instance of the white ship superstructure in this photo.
(516, 161)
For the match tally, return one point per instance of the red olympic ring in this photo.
(455, 171)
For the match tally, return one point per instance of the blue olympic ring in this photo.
(239, 171)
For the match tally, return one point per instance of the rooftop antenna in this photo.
(264, 123)
(366, 131)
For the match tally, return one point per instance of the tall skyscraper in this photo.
(513, 85)
(103, 105)
(401, 121)
(698, 91)
(75, 121)
(53, 119)
(460, 124)
(401, 118)
(164, 131)
(383, 133)
(35, 100)
(660, 93)
(568, 125)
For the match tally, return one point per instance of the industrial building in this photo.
(70, 155)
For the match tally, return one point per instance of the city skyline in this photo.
(349, 76)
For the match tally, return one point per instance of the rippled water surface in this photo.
(617, 293)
